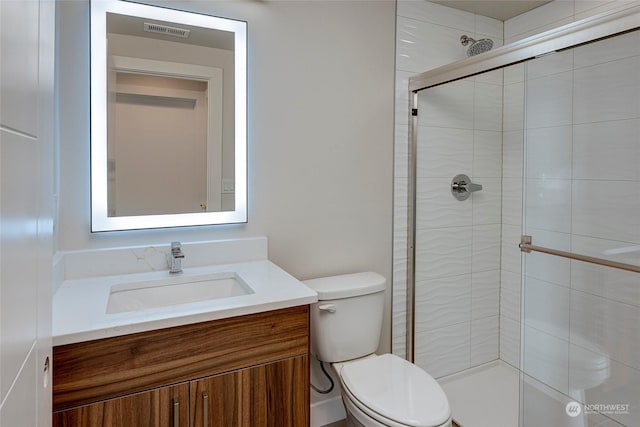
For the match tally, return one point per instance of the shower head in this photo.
(477, 46)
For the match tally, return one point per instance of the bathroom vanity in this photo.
(128, 350)
(248, 370)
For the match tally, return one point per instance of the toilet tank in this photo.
(347, 319)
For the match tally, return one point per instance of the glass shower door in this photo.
(580, 320)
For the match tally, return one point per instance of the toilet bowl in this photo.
(377, 391)
(387, 390)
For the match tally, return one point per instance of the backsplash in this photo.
(141, 259)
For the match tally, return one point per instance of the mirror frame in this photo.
(100, 221)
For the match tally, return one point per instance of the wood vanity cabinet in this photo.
(248, 371)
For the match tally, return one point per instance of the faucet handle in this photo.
(176, 245)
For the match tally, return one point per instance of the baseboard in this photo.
(327, 412)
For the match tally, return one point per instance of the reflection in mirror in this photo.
(168, 135)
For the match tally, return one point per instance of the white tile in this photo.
(401, 151)
(512, 201)
(536, 31)
(400, 201)
(512, 154)
(444, 152)
(613, 382)
(609, 91)
(487, 154)
(538, 17)
(485, 336)
(419, 45)
(487, 203)
(436, 207)
(606, 326)
(585, 5)
(511, 257)
(510, 295)
(549, 152)
(442, 302)
(610, 283)
(546, 65)
(443, 351)
(495, 77)
(617, 159)
(607, 50)
(485, 294)
(617, 219)
(546, 307)
(510, 341)
(550, 268)
(486, 246)
(487, 107)
(431, 12)
(548, 204)
(513, 107)
(514, 73)
(546, 358)
(443, 252)
(597, 7)
(402, 97)
(549, 100)
(489, 26)
(449, 106)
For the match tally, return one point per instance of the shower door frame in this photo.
(584, 31)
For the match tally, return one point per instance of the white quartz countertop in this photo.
(80, 305)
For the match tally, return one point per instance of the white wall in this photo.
(26, 201)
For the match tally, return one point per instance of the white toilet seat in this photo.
(394, 392)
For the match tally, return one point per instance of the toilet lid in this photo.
(398, 390)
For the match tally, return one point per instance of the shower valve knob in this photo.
(462, 187)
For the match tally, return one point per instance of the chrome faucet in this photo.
(176, 257)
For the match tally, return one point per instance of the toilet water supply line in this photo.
(328, 377)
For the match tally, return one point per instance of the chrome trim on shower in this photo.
(411, 226)
(527, 247)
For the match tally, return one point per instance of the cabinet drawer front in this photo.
(271, 395)
(96, 370)
(163, 407)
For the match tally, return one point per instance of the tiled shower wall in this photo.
(546, 17)
(428, 37)
(458, 243)
(581, 334)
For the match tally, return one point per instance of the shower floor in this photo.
(484, 396)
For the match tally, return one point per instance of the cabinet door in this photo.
(162, 407)
(274, 395)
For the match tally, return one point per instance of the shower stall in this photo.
(523, 237)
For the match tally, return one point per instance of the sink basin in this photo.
(133, 296)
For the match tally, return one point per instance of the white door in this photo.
(27, 35)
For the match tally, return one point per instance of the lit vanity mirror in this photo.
(168, 118)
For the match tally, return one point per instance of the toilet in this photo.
(383, 390)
